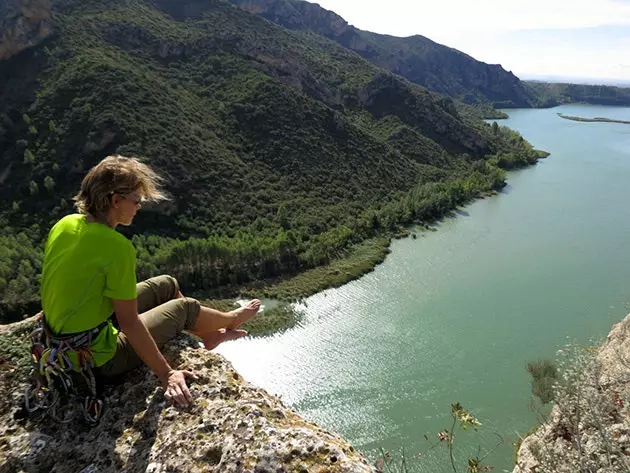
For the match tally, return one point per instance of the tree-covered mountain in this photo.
(281, 149)
(418, 59)
(552, 94)
(429, 64)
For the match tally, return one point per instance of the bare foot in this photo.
(243, 314)
(213, 339)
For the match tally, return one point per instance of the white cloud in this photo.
(536, 55)
(408, 17)
(489, 30)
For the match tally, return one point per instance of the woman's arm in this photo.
(142, 342)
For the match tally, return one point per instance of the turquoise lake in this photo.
(456, 314)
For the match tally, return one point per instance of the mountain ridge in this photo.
(419, 59)
(437, 67)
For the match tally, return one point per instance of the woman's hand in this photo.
(176, 388)
(174, 381)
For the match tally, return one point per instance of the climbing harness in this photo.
(54, 386)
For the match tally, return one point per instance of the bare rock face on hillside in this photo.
(232, 427)
(23, 24)
(589, 427)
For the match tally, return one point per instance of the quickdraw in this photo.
(54, 389)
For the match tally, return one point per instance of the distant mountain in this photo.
(550, 94)
(555, 79)
(418, 59)
(429, 64)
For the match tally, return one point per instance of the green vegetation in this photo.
(20, 268)
(15, 354)
(544, 375)
(521, 152)
(479, 111)
(596, 119)
(437, 67)
(551, 94)
(360, 259)
(283, 151)
(462, 420)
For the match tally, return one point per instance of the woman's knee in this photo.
(165, 286)
(185, 311)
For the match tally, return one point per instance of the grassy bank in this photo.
(362, 259)
(596, 119)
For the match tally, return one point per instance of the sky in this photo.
(534, 38)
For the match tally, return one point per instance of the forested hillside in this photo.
(435, 66)
(281, 149)
(417, 58)
(552, 94)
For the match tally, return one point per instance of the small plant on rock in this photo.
(462, 420)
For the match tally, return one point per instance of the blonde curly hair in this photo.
(116, 174)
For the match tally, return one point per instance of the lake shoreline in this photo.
(362, 259)
(458, 316)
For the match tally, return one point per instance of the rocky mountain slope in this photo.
(23, 24)
(208, 92)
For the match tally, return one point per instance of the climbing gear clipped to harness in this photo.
(54, 387)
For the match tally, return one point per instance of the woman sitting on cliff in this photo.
(89, 274)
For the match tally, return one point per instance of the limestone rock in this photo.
(604, 440)
(232, 427)
(23, 24)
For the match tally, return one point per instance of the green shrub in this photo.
(544, 374)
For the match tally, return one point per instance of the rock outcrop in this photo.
(23, 24)
(589, 426)
(232, 427)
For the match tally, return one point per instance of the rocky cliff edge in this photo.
(589, 427)
(232, 427)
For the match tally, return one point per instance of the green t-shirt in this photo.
(86, 265)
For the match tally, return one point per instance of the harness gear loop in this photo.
(53, 386)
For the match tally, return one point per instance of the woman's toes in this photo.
(253, 304)
(235, 334)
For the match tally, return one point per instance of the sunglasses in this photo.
(137, 200)
(133, 198)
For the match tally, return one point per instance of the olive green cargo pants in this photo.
(164, 315)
